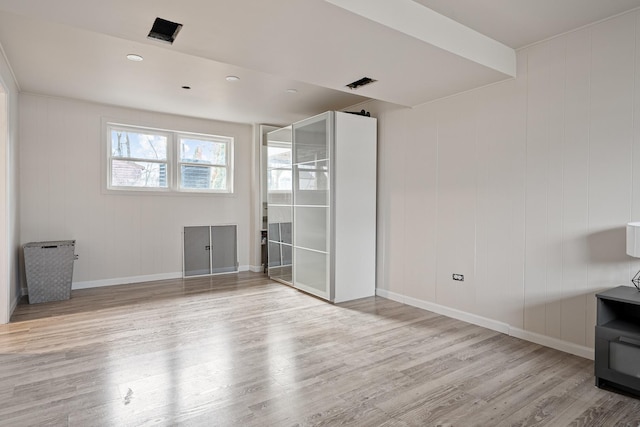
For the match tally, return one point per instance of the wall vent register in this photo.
(210, 249)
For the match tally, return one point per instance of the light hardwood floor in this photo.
(240, 350)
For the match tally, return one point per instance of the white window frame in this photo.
(173, 160)
(169, 160)
(228, 166)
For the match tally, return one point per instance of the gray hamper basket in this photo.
(49, 270)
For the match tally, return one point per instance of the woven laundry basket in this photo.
(49, 270)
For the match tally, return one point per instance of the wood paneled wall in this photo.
(525, 187)
(118, 237)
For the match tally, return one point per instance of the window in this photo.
(279, 168)
(204, 163)
(146, 159)
(138, 158)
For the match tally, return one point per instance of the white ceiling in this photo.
(77, 48)
(518, 23)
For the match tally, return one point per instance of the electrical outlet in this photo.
(458, 277)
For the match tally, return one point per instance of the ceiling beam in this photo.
(422, 23)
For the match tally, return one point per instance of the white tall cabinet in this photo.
(334, 205)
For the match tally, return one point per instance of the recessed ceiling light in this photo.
(291, 90)
(134, 57)
(186, 87)
(232, 78)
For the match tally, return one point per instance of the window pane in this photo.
(138, 174)
(203, 177)
(202, 151)
(138, 145)
(279, 180)
(279, 157)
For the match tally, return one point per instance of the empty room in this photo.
(320, 212)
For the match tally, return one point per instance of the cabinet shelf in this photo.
(623, 327)
(310, 162)
(311, 250)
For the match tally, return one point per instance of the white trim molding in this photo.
(557, 344)
(138, 279)
(567, 347)
(6, 60)
(124, 280)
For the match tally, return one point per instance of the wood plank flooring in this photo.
(240, 350)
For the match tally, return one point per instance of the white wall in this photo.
(525, 187)
(119, 238)
(10, 241)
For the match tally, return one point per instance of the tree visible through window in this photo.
(138, 159)
(151, 159)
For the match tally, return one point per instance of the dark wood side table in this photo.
(617, 346)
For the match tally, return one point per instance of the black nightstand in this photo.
(617, 352)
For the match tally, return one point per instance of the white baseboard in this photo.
(494, 325)
(567, 347)
(256, 268)
(134, 279)
(125, 280)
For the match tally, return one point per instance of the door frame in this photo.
(5, 235)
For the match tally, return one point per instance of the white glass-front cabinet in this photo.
(313, 140)
(279, 205)
(334, 206)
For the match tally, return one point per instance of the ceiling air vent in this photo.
(165, 31)
(362, 82)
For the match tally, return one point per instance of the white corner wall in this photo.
(10, 277)
(119, 238)
(525, 187)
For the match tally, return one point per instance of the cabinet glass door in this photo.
(279, 204)
(311, 203)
